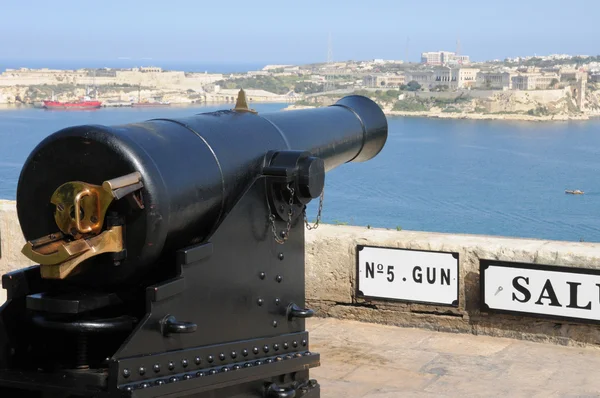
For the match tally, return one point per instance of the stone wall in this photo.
(11, 241)
(331, 281)
(331, 278)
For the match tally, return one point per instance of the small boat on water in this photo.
(574, 192)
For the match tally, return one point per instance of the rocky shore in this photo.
(472, 115)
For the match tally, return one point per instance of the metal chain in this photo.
(316, 224)
(285, 233)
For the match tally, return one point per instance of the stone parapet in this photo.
(331, 278)
(11, 241)
(331, 281)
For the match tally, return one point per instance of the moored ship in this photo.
(84, 103)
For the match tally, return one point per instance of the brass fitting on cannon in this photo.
(80, 216)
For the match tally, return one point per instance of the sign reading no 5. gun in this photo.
(408, 275)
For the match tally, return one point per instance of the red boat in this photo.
(84, 103)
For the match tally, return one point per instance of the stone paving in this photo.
(365, 360)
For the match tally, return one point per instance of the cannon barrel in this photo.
(193, 169)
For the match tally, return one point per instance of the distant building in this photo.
(494, 80)
(534, 81)
(458, 59)
(271, 67)
(424, 77)
(384, 80)
(452, 78)
(443, 58)
(150, 69)
(463, 77)
(434, 57)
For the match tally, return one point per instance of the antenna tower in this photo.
(329, 76)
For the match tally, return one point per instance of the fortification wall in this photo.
(331, 278)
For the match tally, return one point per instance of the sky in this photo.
(284, 31)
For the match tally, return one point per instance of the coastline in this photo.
(475, 116)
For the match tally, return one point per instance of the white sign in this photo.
(411, 275)
(541, 289)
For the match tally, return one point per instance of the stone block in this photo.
(11, 241)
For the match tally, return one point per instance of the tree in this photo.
(413, 86)
(553, 82)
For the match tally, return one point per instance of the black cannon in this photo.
(171, 254)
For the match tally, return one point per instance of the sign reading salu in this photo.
(571, 293)
(408, 275)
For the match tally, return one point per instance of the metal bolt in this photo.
(280, 256)
(173, 379)
(277, 301)
(142, 371)
(171, 366)
(187, 376)
(258, 363)
(276, 347)
(224, 369)
(222, 356)
(145, 385)
(259, 302)
(199, 374)
(210, 359)
(236, 367)
(278, 278)
(274, 324)
(295, 344)
(285, 345)
(184, 363)
(266, 348)
(255, 350)
(283, 234)
(245, 352)
(156, 368)
(304, 343)
(233, 354)
(198, 360)
(247, 365)
(159, 382)
(126, 373)
(212, 372)
(262, 275)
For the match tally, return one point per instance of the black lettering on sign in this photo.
(370, 270)
(549, 289)
(390, 272)
(573, 297)
(380, 268)
(445, 276)
(431, 280)
(522, 289)
(417, 276)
